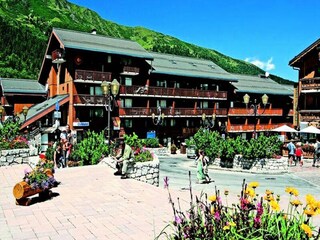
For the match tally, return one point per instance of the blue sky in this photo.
(266, 33)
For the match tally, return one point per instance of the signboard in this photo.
(151, 134)
(56, 114)
(81, 124)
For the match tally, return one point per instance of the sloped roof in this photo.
(99, 43)
(260, 85)
(21, 86)
(293, 62)
(188, 67)
(39, 110)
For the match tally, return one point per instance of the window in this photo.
(204, 86)
(127, 102)
(128, 123)
(172, 122)
(128, 81)
(95, 90)
(162, 103)
(161, 83)
(204, 104)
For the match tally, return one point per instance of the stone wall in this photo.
(14, 156)
(265, 165)
(147, 172)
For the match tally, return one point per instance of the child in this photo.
(299, 154)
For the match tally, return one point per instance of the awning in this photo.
(40, 110)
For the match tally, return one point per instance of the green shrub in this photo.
(150, 142)
(91, 149)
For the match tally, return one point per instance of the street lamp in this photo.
(159, 119)
(110, 91)
(254, 106)
(207, 122)
(25, 110)
(1, 112)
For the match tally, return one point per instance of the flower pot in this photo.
(23, 190)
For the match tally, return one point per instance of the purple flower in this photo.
(259, 209)
(217, 215)
(26, 180)
(26, 171)
(166, 182)
(178, 219)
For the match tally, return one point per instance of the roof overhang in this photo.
(44, 112)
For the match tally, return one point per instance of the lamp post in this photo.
(254, 106)
(160, 118)
(1, 112)
(110, 91)
(207, 122)
(25, 110)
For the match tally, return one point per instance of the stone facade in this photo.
(147, 172)
(14, 156)
(270, 165)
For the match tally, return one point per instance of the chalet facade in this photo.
(170, 96)
(308, 64)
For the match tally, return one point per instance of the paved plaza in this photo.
(92, 203)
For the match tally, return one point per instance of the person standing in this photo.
(291, 150)
(316, 153)
(299, 154)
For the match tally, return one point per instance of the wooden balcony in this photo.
(57, 56)
(310, 83)
(172, 112)
(247, 112)
(309, 115)
(91, 76)
(250, 127)
(127, 70)
(88, 100)
(172, 92)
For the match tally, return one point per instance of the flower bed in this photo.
(251, 217)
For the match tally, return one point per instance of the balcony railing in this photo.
(310, 83)
(131, 70)
(174, 92)
(246, 112)
(250, 127)
(85, 76)
(87, 99)
(309, 115)
(175, 112)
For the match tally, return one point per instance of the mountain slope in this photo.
(26, 24)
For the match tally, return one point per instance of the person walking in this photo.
(291, 150)
(316, 153)
(202, 168)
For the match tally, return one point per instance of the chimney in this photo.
(94, 31)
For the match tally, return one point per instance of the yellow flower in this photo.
(269, 197)
(306, 229)
(254, 184)
(232, 224)
(310, 199)
(212, 210)
(292, 191)
(275, 206)
(227, 227)
(249, 191)
(296, 202)
(309, 212)
(269, 192)
(213, 198)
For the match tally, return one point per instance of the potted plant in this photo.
(173, 149)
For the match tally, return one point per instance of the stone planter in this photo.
(147, 172)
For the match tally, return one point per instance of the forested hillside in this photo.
(25, 26)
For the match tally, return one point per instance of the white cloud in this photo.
(267, 66)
